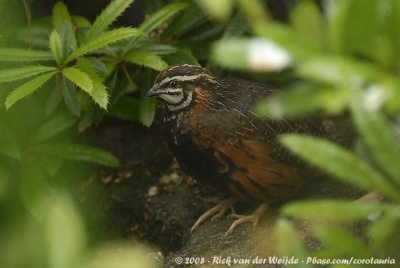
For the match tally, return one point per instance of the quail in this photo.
(218, 139)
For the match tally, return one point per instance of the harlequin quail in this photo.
(218, 140)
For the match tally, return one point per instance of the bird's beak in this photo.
(153, 91)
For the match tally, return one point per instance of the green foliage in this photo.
(27, 89)
(109, 14)
(344, 59)
(17, 54)
(161, 16)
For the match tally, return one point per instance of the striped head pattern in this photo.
(177, 85)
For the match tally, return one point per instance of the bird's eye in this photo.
(173, 83)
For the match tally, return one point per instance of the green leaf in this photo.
(353, 23)
(218, 10)
(339, 162)
(99, 92)
(79, 78)
(385, 233)
(337, 70)
(81, 22)
(53, 126)
(61, 214)
(32, 189)
(23, 72)
(182, 56)
(289, 241)
(338, 242)
(332, 210)
(307, 20)
(103, 40)
(162, 15)
(147, 59)
(9, 145)
(107, 16)
(236, 27)
(68, 40)
(256, 54)
(147, 110)
(186, 21)
(27, 88)
(255, 11)
(80, 152)
(376, 131)
(60, 15)
(19, 54)
(300, 46)
(54, 98)
(126, 108)
(301, 100)
(56, 47)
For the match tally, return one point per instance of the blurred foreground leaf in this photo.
(339, 163)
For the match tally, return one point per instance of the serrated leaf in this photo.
(379, 136)
(23, 72)
(19, 54)
(27, 88)
(53, 126)
(147, 110)
(60, 15)
(55, 46)
(99, 92)
(9, 144)
(80, 152)
(192, 17)
(67, 36)
(147, 59)
(339, 163)
(103, 40)
(332, 209)
(70, 96)
(107, 16)
(79, 78)
(162, 15)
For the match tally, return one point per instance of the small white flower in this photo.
(266, 55)
(375, 96)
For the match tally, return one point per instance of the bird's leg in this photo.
(254, 218)
(218, 211)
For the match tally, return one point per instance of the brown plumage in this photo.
(218, 140)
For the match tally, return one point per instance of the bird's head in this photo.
(177, 85)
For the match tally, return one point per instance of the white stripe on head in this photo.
(172, 99)
(181, 78)
(181, 105)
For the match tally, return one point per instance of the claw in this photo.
(218, 211)
(254, 218)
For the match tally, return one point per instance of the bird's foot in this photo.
(217, 212)
(254, 218)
